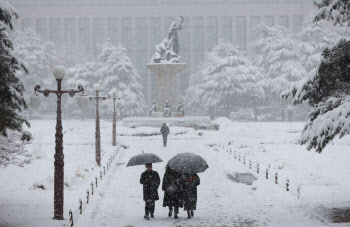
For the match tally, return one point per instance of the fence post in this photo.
(71, 218)
(88, 195)
(250, 164)
(287, 185)
(92, 188)
(257, 168)
(101, 175)
(276, 178)
(96, 181)
(244, 160)
(81, 206)
(267, 173)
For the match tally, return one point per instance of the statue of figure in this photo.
(168, 50)
(166, 109)
(180, 108)
(153, 107)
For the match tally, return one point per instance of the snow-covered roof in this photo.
(99, 2)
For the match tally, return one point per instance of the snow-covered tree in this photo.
(337, 11)
(227, 80)
(12, 100)
(273, 50)
(311, 41)
(327, 90)
(29, 47)
(116, 71)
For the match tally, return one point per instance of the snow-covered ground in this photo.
(324, 178)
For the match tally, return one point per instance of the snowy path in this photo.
(221, 201)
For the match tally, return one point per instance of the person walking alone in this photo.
(165, 131)
(151, 181)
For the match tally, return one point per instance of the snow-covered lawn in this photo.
(324, 178)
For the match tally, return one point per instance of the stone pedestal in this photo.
(167, 83)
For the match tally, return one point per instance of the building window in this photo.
(84, 32)
(298, 21)
(254, 21)
(112, 30)
(284, 21)
(69, 31)
(198, 41)
(98, 29)
(141, 49)
(269, 21)
(241, 31)
(212, 32)
(184, 40)
(55, 30)
(41, 28)
(127, 35)
(227, 29)
(25, 24)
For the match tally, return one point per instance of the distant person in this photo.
(151, 181)
(165, 131)
(190, 183)
(172, 191)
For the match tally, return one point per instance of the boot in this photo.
(176, 217)
(192, 213)
(146, 217)
(152, 216)
(170, 212)
(188, 214)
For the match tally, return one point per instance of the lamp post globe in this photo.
(97, 87)
(59, 72)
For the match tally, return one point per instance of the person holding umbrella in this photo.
(172, 191)
(165, 131)
(189, 164)
(151, 181)
(190, 183)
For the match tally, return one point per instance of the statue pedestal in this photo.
(167, 83)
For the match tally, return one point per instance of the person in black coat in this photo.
(172, 191)
(190, 183)
(151, 181)
(165, 131)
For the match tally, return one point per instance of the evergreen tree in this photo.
(116, 71)
(29, 47)
(228, 80)
(311, 41)
(327, 90)
(337, 11)
(12, 100)
(274, 51)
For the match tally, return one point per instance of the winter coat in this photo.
(165, 130)
(151, 182)
(172, 188)
(190, 183)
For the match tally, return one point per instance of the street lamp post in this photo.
(59, 73)
(97, 88)
(114, 128)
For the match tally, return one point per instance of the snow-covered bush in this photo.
(337, 11)
(226, 80)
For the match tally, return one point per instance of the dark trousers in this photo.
(165, 140)
(149, 207)
(176, 210)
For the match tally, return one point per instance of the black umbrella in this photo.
(143, 159)
(188, 163)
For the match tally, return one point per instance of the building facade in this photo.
(139, 25)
